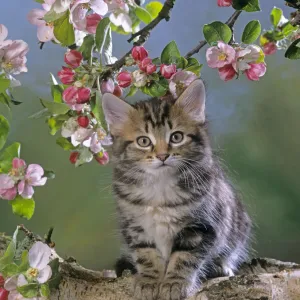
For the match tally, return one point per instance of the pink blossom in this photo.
(8, 191)
(227, 72)
(147, 66)
(120, 14)
(124, 79)
(225, 3)
(45, 30)
(270, 48)
(102, 158)
(180, 81)
(218, 57)
(76, 97)
(107, 86)
(73, 58)
(3, 33)
(84, 95)
(66, 75)
(92, 22)
(167, 71)
(33, 177)
(256, 71)
(139, 53)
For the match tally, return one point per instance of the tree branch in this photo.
(230, 22)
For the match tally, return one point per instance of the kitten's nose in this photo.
(163, 157)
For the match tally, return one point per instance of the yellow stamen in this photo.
(32, 273)
(222, 56)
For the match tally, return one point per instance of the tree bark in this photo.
(261, 279)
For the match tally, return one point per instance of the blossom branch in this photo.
(230, 22)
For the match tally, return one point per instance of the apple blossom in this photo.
(102, 158)
(92, 22)
(74, 157)
(227, 72)
(107, 86)
(84, 95)
(83, 121)
(66, 75)
(3, 294)
(147, 66)
(120, 14)
(73, 58)
(256, 71)
(270, 48)
(219, 56)
(124, 79)
(139, 78)
(75, 97)
(139, 53)
(8, 190)
(3, 33)
(117, 91)
(180, 81)
(225, 3)
(167, 71)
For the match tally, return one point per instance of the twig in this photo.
(48, 237)
(145, 32)
(230, 22)
(27, 232)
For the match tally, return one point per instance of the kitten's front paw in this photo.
(145, 288)
(172, 289)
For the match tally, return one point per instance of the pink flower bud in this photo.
(167, 70)
(66, 75)
(225, 2)
(151, 68)
(139, 53)
(107, 86)
(256, 71)
(74, 157)
(118, 91)
(227, 72)
(70, 95)
(124, 79)
(3, 294)
(144, 63)
(92, 22)
(2, 280)
(73, 58)
(84, 95)
(270, 48)
(102, 158)
(83, 121)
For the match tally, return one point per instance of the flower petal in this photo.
(6, 182)
(44, 274)
(45, 33)
(11, 283)
(3, 32)
(39, 256)
(99, 7)
(35, 17)
(22, 280)
(27, 191)
(18, 163)
(34, 171)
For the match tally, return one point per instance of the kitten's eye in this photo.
(143, 141)
(176, 137)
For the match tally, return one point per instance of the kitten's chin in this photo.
(158, 167)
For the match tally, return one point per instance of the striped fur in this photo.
(181, 222)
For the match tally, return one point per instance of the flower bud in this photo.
(73, 58)
(70, 95)
(66, 75)
(151, 68)
(139, 78)
(74, 157)
(102, 158)
(118, 91)
(107, 86)
(92, 22)
(167, 70)
(2, 280)
(224, 3)
(256, 71)
(84, 95)
(139, 53)
(124, 79)
(83, 121)
(269, 48)
(227, 72)
(3, 294)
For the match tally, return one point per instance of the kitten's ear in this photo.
(115, 110)
(192, 100)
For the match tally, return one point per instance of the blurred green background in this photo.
(254, 128)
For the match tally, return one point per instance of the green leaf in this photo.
(251, 32)
(132, 91)
(49, 174)
(56, 92)
(275, 16)
(4, 84)
(29, 290)
(10, 252)
(246, 5)
(39, 1)
(7, 155)
(64, 31)
(52, 15)
(55, 123)
(170, 53)
(5, 99)
(287, 29)
(96, 106)
(156, 61)
(156, 88)
(217, 31)
(193, 66)
(23, 207)
(143, 14)
(56, 277)
(65, 143)
(10, 270)
(118, 29)
(24, 265)
(55, 108)
(293, 52)
(101, 34)
(154, 8)
(181, 63)
(107, 49)
(87, 47)
(45, 290)
(40, 114)
(4, 130)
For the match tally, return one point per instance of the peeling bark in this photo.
(261, 279)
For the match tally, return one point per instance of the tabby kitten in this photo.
(179, 216)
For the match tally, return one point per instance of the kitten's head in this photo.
(159, 135)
